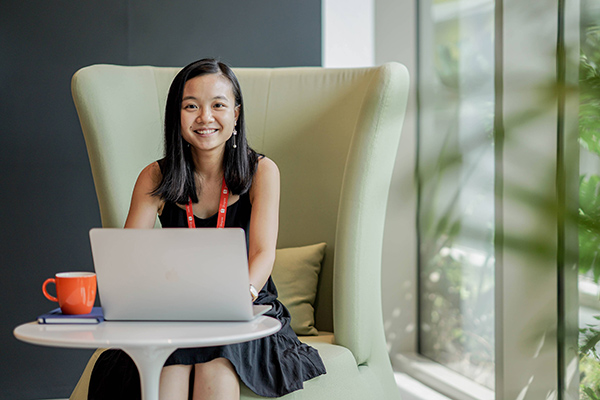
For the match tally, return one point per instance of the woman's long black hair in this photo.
(239, 164)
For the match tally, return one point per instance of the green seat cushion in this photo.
(296, 275)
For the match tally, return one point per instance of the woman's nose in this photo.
(205, 116)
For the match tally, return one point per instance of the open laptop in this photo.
(173, 274)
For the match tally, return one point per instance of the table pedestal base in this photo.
(149, 361)
(148, 343)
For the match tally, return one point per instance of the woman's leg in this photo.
(174, 382)
(216, 380)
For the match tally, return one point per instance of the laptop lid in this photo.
(173, 274)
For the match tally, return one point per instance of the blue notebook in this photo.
(57, 317)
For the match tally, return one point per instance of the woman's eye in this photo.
(219, 105)
(189, 107)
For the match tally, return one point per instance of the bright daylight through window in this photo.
(456, 192)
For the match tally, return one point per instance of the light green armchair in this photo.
(334, 134)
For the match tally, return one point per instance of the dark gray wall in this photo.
(47, 197)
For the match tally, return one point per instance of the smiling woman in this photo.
(208, 113)
(209, 178)
(193, 105)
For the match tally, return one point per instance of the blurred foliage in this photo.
(589, 226)
(589, 138)
(456, 285)
(589, 364)
(589, 79)
(457, 323)
(589, 203)
(451, 305)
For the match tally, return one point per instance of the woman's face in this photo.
(208, 112)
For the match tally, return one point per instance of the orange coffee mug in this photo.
(75, 291)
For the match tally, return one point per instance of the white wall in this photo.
(348, 33)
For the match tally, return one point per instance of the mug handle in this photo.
(49, 297)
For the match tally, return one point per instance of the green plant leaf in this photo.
(591, 341)
(589, 225)
(590, 393)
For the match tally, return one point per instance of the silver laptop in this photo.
(173, 274)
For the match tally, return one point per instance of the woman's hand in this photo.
(264, 222)
(144, 206)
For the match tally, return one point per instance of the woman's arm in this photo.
(144, 206)
(264, 222)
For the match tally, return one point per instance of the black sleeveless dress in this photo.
(271, 367)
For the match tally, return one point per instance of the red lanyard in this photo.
(222, 209)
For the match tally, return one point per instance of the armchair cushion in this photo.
(296, 275)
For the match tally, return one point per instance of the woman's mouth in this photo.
(205, 132)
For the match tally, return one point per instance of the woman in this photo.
(208, 165)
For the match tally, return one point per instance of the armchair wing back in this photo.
(334, 134)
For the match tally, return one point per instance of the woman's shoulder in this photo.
(144, 204)
(266, 168)
(266, 177)
(266, 164)
(153, 169)
(150, 177)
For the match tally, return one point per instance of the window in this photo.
(456, 174)
(494, 316)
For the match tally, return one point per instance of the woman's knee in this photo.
(217, 370)
(177, 370)
(174, 382)
(216, 379)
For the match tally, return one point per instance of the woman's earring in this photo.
(234, 135)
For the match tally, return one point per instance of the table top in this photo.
(122, 334)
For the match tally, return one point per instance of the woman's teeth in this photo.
(205, 131)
